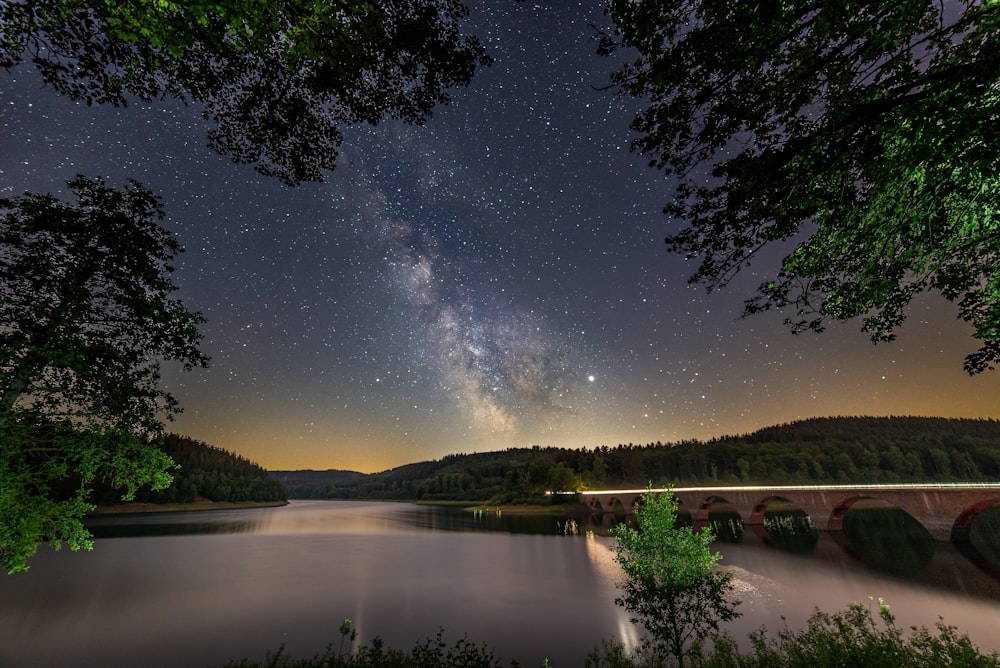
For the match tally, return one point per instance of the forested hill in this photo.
(330, 484)
(822, 450)
(206, 472)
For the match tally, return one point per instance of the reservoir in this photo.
(203, 588)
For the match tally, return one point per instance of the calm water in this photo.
(198, 589)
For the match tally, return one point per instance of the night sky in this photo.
(496, 278)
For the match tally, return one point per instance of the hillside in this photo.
(309, 484)
(822, 450)
(206, 472)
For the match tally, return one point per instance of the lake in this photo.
(201, 588)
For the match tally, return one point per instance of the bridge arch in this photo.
(616, 500)
(960, 530)
(835, 522)
(759, 508)
(705, 507)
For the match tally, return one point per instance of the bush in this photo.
(851, 637)
(431, 653)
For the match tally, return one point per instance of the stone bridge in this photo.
(945, 510)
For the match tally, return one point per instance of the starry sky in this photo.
(495, 278)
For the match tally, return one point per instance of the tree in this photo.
(277, 79)
(671, 584)
(563, 478)
(860, 135)
(86, 318)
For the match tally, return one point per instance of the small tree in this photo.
(86, 318)
(671, 584)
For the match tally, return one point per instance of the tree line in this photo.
(205, 472)
(835, 450)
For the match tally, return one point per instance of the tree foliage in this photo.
(672, 586)
(86, 318)
(861, 134)
(47, 470)
(852, 637)
(86, 313)
(205, 472)
(278, 79)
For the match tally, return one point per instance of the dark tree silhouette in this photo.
(86, 318)
(277, 79)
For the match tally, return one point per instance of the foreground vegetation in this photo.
(856, 636)
(430, 653)
(671, 586)
(820, 451)
(852, 637)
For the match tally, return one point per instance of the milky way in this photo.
(500, 365)
(495, 278)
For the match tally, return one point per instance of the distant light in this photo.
(591, 379)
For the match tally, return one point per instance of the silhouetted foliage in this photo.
(86, 314)
(863, 133)
(277, 79)
(430, 653)
(823, 450)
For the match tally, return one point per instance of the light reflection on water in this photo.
(200, 588)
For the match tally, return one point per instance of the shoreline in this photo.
(532, 509)
(568, 510)
(477, 506)
(149, 508)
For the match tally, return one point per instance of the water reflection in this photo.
(888, 539)
(440, 518)
(365, 517)
(136, 529)
(984, 537)
(791, 530)
(202, 599)
(402, 571)
(884, 539)
(602, 556)
(726, 525)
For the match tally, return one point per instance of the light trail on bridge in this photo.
(798, 488)
(946, 510)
